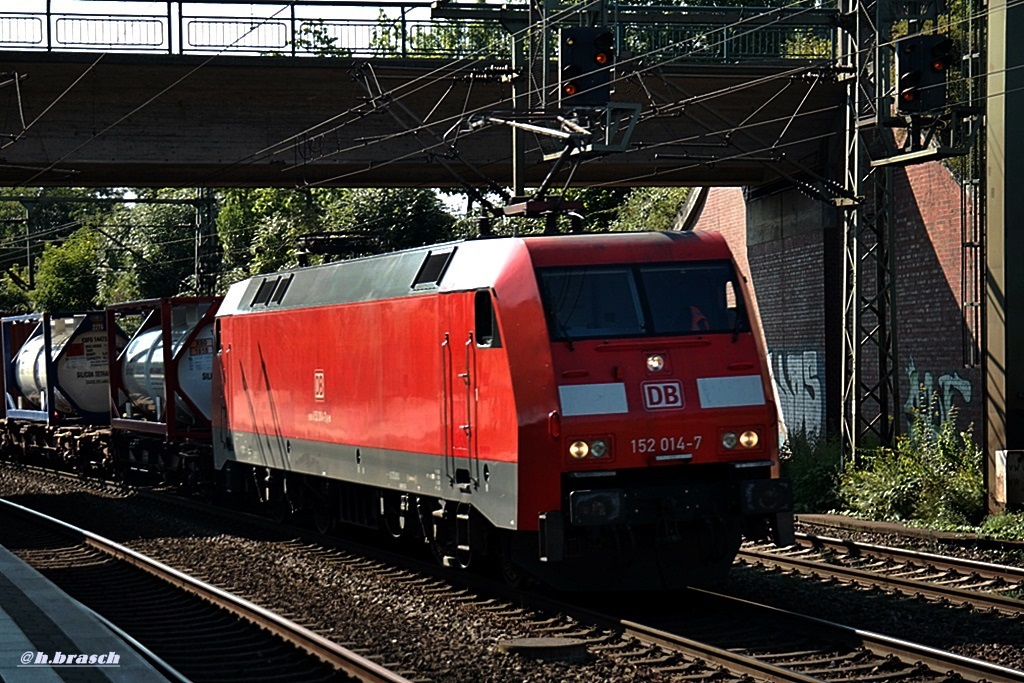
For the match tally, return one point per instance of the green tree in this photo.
(439, 38)
(14, 299)
(39, 216)
(258, 227)
(67, 276)
(650, 208)
(316, 37)
(600, 205)
(394, 218)
(150, 247)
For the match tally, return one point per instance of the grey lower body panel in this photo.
(489, 486)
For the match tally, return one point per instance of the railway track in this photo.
(201, 632)
(721, 638)
(773, 644)
(695, 636)
(959, 581)
(718, 638)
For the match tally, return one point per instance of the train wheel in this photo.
(279, 509)
(393, 514)
(323, 520)
(511, 573)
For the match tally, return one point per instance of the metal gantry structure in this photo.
(870, 390)
(872, 405)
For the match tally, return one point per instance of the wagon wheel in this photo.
(393, 519)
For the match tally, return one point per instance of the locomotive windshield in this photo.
(645, 300)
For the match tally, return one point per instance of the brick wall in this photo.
(929, 305)
(793, 253)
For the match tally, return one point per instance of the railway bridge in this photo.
(335, 93)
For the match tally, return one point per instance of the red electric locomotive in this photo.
(594, 410)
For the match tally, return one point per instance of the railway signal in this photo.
(922, 66)
(585, 60)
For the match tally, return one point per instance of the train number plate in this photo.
(665, 444)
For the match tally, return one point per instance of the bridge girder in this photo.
(166, 120)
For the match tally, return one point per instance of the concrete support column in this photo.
(1004, 284)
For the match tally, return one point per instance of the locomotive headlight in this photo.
(729, 440)
(749, 439)
(655, 362)
(598, 448)
(579, 449)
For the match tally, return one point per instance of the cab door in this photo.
(458, 347)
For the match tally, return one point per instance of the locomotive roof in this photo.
(456, 266)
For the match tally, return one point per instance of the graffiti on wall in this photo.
(800, 386)
(950, 390)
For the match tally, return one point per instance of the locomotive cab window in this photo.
(486, 324)
(656, 299)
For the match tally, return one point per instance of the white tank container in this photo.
(144, 374)
(80, 363)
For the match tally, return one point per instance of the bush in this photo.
(1008, 526)
(933, 476)
(813, 464)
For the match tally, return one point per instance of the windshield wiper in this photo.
(563, 330)
(738, 325)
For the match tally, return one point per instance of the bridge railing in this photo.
(373, 29)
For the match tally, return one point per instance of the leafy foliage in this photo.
(813, 464)
(1009, 526)
(396, 218)
(650, 208)
(933, 476)
(316, 37)
(393, 36)
(260, 228)
(67, 278)
(256, 226)
(150, 248)
(40, 216)
(13, 298)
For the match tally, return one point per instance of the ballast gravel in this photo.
(431, 635)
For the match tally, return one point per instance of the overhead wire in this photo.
(494, 104)
(402, 92)
(26, 127)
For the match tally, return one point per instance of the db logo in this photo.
(318, 385)
(659, 395)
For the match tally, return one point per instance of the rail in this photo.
(403, 28)
(344, 660)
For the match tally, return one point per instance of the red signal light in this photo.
(569, 89)
(601, 58)
(939, 65)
